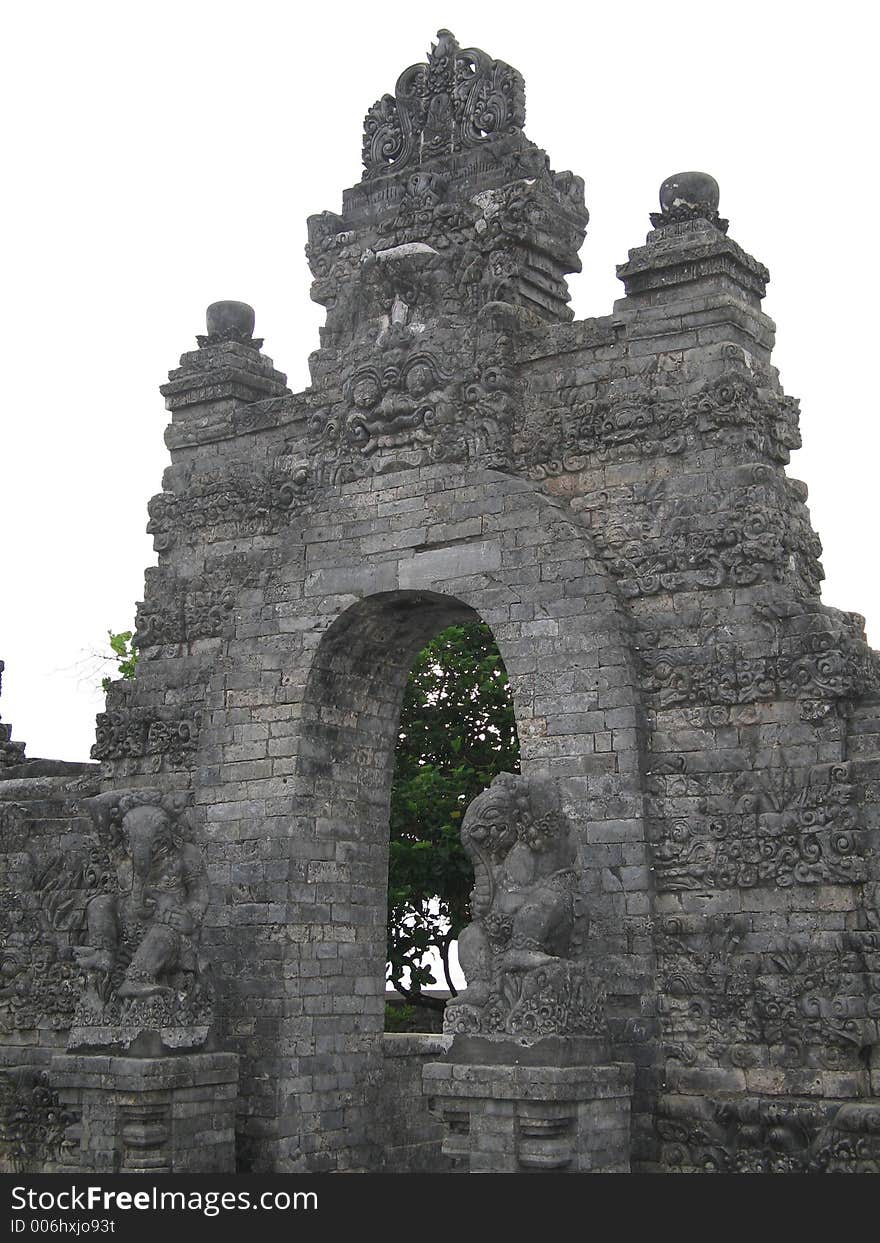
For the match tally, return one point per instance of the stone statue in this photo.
(142, 962)
(516, 951)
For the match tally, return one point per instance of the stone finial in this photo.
(688, 249)
(458, 100)
(229, 321)
(689, 196)
(221, 316)
(226, 372)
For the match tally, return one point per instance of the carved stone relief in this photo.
(141, 958)
(516, 952)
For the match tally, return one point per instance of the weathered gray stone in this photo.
(610, 497)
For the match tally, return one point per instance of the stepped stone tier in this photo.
(673, 958)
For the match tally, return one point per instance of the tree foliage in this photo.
(125, 655)
(457, 730)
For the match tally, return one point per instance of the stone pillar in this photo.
(151, 1115)
(514, 1119)
(214, 384)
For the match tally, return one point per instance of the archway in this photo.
(316, 683)
(349, 718)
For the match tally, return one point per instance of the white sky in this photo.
(161, 156)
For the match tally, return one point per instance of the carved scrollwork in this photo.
(735, 409)
(164, 738)
(459, 99)
(754, 539)
(726, 1002)
(234, 502)
(762, 1135)
(37, 1132)
(811, 657)
(788, 829)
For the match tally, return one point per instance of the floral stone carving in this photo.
(459, 100)
(37, 1132)
(516, 951)
(143, 967)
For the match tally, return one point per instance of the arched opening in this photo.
(350, 715)
(350, 718)
(457, 731)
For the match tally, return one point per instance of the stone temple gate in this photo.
(674, 955)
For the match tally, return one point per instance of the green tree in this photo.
(457, 730)
(124, 653)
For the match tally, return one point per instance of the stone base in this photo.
(151, 1115)
(515, 1119)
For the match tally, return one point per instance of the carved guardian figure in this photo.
(142, 962)
(515, 952)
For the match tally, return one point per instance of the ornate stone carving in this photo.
(680, 547)
(491, 400)
(516, 951)
(460, 99)
(411, 403)
(41, 910)
(660, 416)
(433, 261)
(404, 399)
(234, 502)
(816, 656)
(37, 1132)
(156, 739)
(726, 1002)
(457, 212)
(184, 610)
(142, 962)
(755, 1135)
(789, 828)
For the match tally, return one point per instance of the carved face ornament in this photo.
(397, 406)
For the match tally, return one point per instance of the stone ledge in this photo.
(415, 1044)
(529, 1082)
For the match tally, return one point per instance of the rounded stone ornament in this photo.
(689, 190)
(223, 316)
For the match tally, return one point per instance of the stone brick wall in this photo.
(408, 1136)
